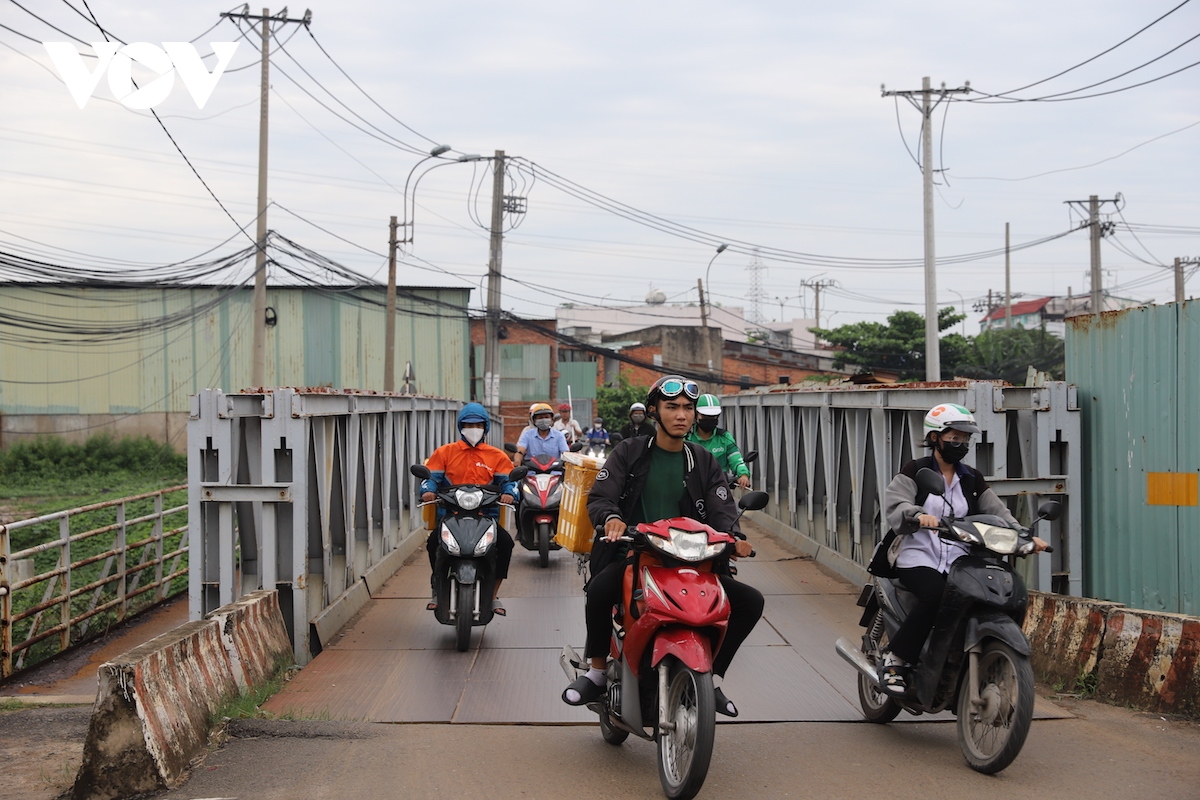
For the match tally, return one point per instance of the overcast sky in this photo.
(759, 123)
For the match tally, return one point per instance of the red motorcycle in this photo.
(669, 625)
(537, 511)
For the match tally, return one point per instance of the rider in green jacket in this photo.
(717, 440)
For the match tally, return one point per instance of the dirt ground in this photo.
(41, 748)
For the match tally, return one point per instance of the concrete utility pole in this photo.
(1096, 229)
(817, 286)
(389, 325)
(259, 363)
(1007, 283)
(933, 356)
(1180, 263)
(491, 344)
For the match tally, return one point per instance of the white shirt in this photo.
(571, 429)
(926, 548)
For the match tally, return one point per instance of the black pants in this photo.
(928, 585)
(504, 550)
(604, 591)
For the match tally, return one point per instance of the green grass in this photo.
(246, 705)
(51, 471)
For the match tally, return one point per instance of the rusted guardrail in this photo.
(65, 586)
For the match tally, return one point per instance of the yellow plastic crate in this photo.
(575, 531)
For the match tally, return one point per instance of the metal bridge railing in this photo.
(303, 492)
(828, 455)
(69, 581)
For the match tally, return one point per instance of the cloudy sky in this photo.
(756, 123)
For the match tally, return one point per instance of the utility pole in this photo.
(933, 356)
(389, 324)
(1007, 283)
(259, 363)
(491, 344)
(817, 286)
(704, 323)
(1097, 231)
(1180, 263)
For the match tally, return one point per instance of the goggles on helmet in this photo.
(674, 388)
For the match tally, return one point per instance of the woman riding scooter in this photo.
(920, 556)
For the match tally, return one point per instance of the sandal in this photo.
(893, 679)
(588, 691)
(498, 609)
(724, 704)
(432, 604)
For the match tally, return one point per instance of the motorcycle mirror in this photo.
(930, 481)
(518, 473)
(754, 501)
(750, 456)
(1050, 510)
(614, 438)
(575, 448)
(510, 447)
(420, 471)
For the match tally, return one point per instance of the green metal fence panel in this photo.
(1138, 384)
(580, 376)
(524, 372)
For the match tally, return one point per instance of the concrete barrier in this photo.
(1151, 661)
(1065, 636)
(154, 703)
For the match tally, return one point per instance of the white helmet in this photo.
(952, 416)
(637, 407)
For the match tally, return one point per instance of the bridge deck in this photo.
(395, 663)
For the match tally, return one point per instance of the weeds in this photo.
(246, 704)
(51, 468)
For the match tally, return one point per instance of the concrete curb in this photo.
(1065, 636)
(153, 703)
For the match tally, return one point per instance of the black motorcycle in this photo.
(976, 659)
(464, 571)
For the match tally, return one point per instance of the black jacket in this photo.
(630, 430)
(617, 492)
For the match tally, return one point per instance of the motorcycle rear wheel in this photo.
(543, 534)
(466, 610)
(685, 752)
(992, 736)
(876, 705)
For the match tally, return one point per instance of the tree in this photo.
(1007, 354)
(613, 402)
(898, 346)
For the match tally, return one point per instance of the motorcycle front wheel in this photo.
(466, 610)
(992, 734)
(685, 749)
(543, 534)
(876, 705)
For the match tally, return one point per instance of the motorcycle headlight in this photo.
(468, 499)
(450, 543)
(997, 539)
(543, 482)
(686, 545)
(485, 541)
(527, 489)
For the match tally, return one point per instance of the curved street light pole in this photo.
(703, 307)
(962, 301)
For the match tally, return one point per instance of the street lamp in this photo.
(703, 303)
(436, 152)
(963, 302)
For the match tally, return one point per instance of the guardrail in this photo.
(64, 586)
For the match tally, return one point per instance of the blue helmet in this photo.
(475, 412)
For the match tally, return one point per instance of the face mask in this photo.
(542, 424)
(954, 452)
(707, 424)
(472, 435)
(637, 418)
(596, 426)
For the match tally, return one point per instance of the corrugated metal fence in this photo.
(1138, 373)
(826, 457)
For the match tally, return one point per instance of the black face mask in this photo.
(953, 452)
(707, 424)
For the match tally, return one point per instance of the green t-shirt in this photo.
(664, 485)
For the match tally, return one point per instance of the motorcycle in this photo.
(465, 565)
(669, 625)
(541, 496)
(976, 659)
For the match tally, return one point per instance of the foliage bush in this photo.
(51, 466)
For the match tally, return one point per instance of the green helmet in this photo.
(709, 405)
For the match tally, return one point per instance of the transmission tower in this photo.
(757, 295)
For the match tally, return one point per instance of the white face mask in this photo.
(472, 435)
